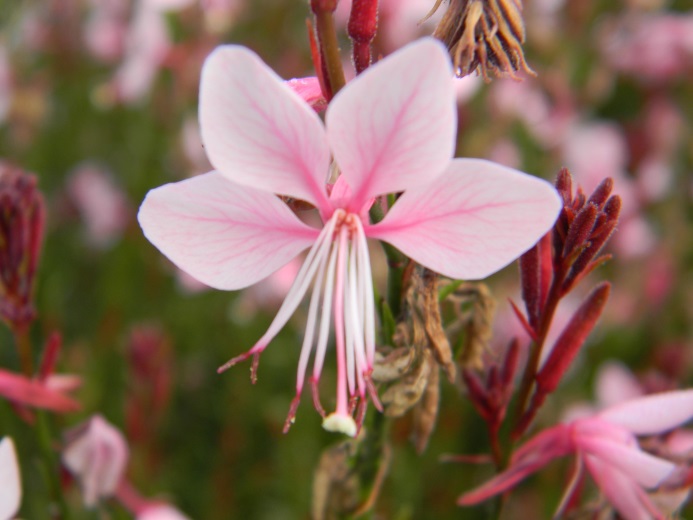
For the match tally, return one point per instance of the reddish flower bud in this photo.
(584, 263)
(362, 26)
(601, 192)
(21, 234)
(564, 186)
(531, 284)
(572, 338)
(612, 208)
(580, 231)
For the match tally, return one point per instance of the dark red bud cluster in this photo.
(363, 24)
(582, 229)
(553, 267)
(22, 217)
(491, 395)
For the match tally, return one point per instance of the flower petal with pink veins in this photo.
(645, 469)
(652, 414)
(622, 492)
(257, 131)
(226, 235)
(10, 482)
(473, 220)
(391, 128)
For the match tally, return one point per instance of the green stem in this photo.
(396, 263)
(21, 338)
(327, 36)
(51, 466)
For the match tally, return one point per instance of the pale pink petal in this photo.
(63, 382)
(257, 131)
(96, 453)
(30, 392)
(621, 491)
(393, 127)
(645, 469)
(656, 413)
(616, 384)
(680, 442)
(471, 221)
(226, 235)
(532, 456)
(10, 481)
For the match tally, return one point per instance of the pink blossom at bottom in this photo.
(606, 445)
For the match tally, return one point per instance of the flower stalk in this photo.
(329, 46)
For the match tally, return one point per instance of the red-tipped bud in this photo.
(572, 338)
(362, 26)
(601, 193)
(531, 284)
(585, 262)
(612, 208)
(564, 186)
(545, 269)
(580, 230)
(22, 218)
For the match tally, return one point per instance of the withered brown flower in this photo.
(484, 35)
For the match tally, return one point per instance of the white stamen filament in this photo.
(339, 267)
(366, 287)
(299, 287)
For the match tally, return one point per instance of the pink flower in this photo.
(101, 203)
(390, 130)
(654, 47)
(45, 394)
(606, 444)
(10, 482)
(96, 453)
